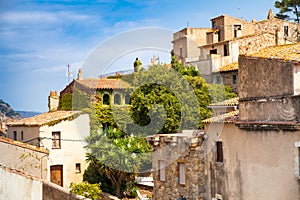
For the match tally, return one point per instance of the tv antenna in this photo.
(69, 73)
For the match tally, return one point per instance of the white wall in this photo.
(14, 186)
(73, 134)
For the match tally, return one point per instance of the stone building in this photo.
(229, 37)
(106, 90)
(257, 149)
(178, 166)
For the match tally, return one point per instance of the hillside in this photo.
(7, 111)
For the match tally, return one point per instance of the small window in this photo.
(77, 168)
(162, 171)
(180, 50)
(286, 31)
(234, 79)
(219, 36)
(15, 135)
(127, 98)
(181, 167)
(226, 52)
(219, 152)
(117, 99)
(106, 99)
(218, 79)
(213, 51)
(214, 25)
(22, 135)
(56, 140)
(236, 28)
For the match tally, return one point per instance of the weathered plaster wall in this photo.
(269, 77)
(24, 159)
(55, 192)
(15, 186)
(257, 165)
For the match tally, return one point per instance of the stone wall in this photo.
(174, 150)
(269, 77)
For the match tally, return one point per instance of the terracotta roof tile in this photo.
(45, 118)
(227, 102)
(104, 83)
(290, 52)
(225, 118)
(24, 145)
(226, 68)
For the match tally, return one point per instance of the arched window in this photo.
(117, 99)
(106, 99)
(127, 98)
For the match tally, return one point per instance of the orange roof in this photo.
(45, 118)
(225, 118)
(228, 102)
(24, 145)
(289, 52)
(104, 83)
(227, 68)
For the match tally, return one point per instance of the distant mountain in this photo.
(27, 114)
(7, 111)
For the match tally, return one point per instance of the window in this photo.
(106, 99)
(117, 99)
(22, 135)
(234, 79)
(180, 50)
(181, 167)
(213, 51)
(219, 36)
(226, 52)
(77, 168)
(218, 79)
(56, 140)
(214, 25)
(286, 31)
(127, 98)
(219, 152)
(15, 135)
(161, 170)
(236, 28)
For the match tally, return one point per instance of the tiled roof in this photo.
(225, 118)
(45, 118)
(24, 145)
(226, 68)
(290, 52)
(227, 102)
(104, 83)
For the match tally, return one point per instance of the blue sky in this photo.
(39, 38)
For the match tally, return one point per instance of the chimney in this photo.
(53, 101)
(79, 75)
(270, 14)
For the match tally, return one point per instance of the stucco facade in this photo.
(69, 155)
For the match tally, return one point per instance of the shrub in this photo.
(86, 189)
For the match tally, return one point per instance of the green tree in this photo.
(86, 189)
(118, 157)
(288, 7)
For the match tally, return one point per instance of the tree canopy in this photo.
(288, 10)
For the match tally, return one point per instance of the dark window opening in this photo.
(213, 51)
(22, 135)
(286, 31)
(234, 79)
(77, 168)
(15, 135)
(180, 50)
(117, 99)
(219, 152)
(219, 36)
(218, 79)
(106, 99)
(236, 28)
(127, 99)
(56, 140)
(226, 52)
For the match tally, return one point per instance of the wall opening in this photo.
(219, 152)
(106, 99)
(117, 99)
